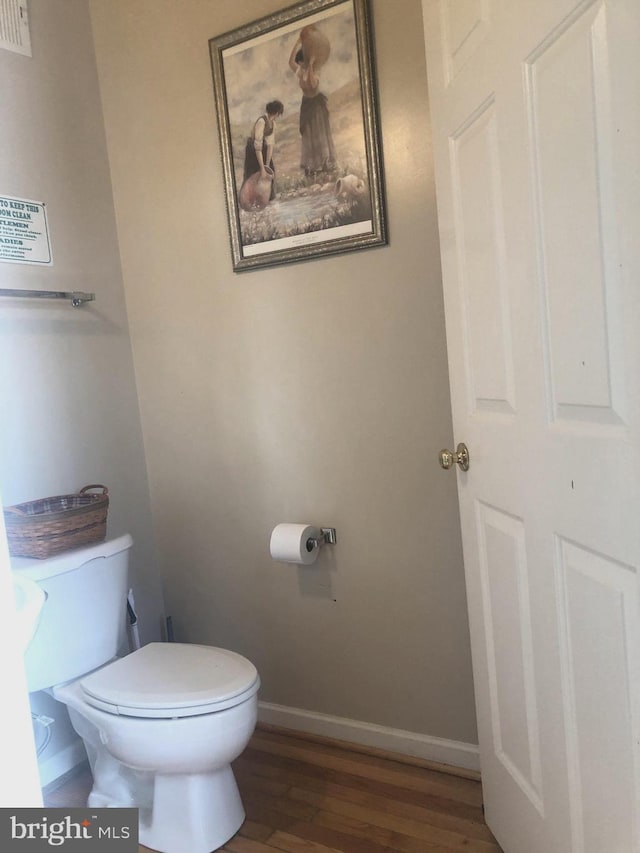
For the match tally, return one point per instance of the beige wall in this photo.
(69, 411)
(314, 392)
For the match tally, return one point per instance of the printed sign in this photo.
(82, 830)
(24, 234)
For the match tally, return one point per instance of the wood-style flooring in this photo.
(318, 796)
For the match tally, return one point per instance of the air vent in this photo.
(14, 26)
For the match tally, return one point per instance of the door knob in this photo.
(447, 458)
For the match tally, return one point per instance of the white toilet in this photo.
(160, 725)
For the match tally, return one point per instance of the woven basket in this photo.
(51, 525)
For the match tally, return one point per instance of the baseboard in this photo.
(427, 748)
(61, 762)
(439, 750)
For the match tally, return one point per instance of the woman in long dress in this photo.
(258, 154)
(309, 53)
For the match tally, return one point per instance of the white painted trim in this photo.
(62, 762)
(440, 750)
(451, 752)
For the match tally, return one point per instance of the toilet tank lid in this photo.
(67, 561)
(171, 675)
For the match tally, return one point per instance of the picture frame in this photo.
(299, 133)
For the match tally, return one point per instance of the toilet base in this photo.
(196, 813)
(176, 771)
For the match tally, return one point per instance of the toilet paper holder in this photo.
(327, 537)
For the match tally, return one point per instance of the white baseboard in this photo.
(61, 762)
(451, 752)
(440, 750)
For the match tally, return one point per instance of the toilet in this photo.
(161, 725)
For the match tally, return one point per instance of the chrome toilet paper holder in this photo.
(327, 537)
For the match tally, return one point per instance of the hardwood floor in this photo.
(305, 796)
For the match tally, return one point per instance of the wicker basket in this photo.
(52, 525)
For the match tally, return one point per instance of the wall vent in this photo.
(14, 26)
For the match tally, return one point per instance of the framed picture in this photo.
(299, 134)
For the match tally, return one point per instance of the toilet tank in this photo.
(84, 616)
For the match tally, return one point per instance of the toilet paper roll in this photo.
(289, 543)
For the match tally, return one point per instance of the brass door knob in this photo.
(447, 458)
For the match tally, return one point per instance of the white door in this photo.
(19, 781)
(535, 108)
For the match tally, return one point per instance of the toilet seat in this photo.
(166, 680)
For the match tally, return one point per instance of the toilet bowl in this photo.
(161, 725)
